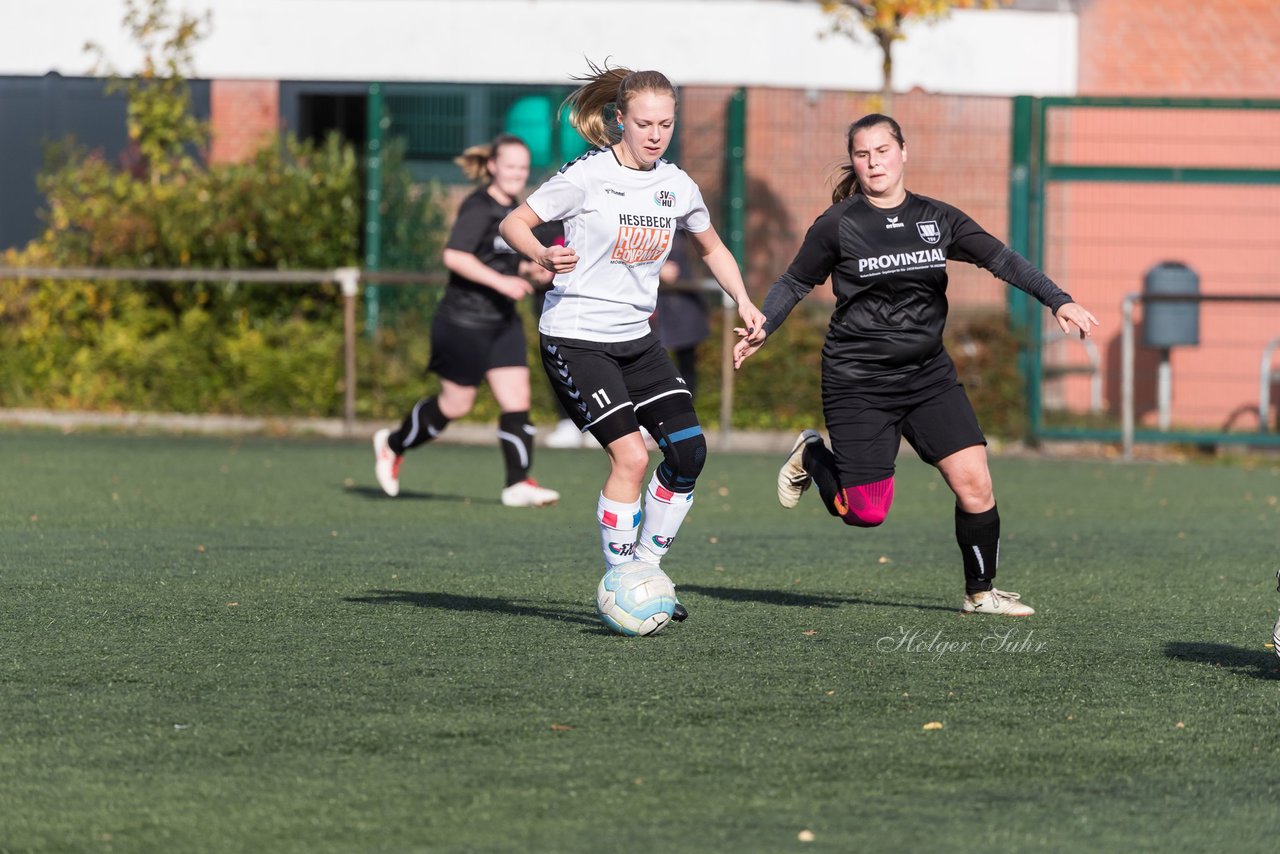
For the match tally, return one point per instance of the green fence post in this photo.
(1025, 228)
(735, 219)
(373, 203)
(1034, 328)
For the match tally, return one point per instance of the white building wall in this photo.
(727, 42)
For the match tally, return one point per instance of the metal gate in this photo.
(1104, 191)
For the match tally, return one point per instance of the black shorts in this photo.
(464, 354)
(610, 389)
(867, 429)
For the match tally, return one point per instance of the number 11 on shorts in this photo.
(602, 400)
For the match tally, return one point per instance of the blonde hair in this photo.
(606, 85)
(474, 162)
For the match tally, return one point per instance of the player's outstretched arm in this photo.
(745, 348)
(1075, 315)
(724, 267)
(517, 230)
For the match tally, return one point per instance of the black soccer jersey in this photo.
(888, 268)
(476, 231)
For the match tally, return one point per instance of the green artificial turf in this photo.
(240, 645)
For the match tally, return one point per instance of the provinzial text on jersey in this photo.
(900, 259)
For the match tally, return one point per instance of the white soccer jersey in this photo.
(621, 222)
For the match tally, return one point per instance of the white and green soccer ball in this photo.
(635, 598)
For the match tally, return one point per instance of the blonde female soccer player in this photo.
(621, 205)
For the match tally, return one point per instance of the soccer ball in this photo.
(635, 598)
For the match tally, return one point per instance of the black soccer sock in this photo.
(423, 423)
(979, 537)
(515, 436)
(820, 463)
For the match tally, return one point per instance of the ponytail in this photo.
(605, 86)
(474, 162)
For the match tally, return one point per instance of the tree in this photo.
(159, 117)
(884, 20)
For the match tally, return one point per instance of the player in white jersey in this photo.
(621, 204)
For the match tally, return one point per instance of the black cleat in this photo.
(680, 613)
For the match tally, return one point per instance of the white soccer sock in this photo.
(619, 522)
(664, 513)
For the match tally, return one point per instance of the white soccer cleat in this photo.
(527, 493)
(565, 435)
(1001, 603)
(1275, 632)
(386, 464)
(793, 480)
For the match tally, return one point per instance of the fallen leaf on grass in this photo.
(885, 559)
(561, 727)
(933, 725)
(809, 632)
(233, 604)
(805, 836)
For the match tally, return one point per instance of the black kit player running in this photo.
(885, 372)
(477, 333)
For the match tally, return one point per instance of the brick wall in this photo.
(244, 113)
(1219, 48)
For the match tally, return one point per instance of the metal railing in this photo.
(1128, 356)
(349, 279)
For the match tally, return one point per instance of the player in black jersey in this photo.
(476, 335)
(885, 373)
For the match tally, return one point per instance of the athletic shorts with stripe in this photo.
(612, 388)
(867, 430)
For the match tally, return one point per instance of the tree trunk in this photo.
(885, 40)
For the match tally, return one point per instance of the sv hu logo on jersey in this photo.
(664, 199)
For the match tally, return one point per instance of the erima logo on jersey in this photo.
(892, 222)
(664, 199)
(898, 260)
(929, 231)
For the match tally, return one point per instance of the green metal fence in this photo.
(1103, 189)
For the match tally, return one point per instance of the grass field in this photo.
(239, 645)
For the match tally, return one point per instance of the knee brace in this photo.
(684, 451)
(865, 506)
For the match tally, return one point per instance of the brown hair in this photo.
(604, 86)
(848, 184)
(475, 160)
